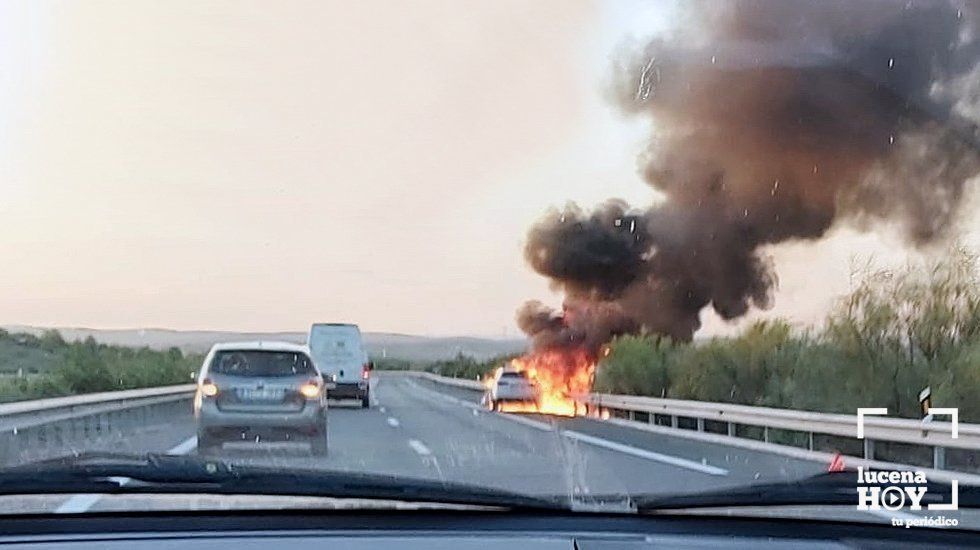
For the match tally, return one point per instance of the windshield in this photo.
(260, 363)
(595, 253)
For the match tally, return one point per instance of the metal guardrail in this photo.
(935, 434)
(35, 427)
(447, 381)
(32, 430)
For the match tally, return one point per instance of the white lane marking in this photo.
(643, 453)
(184, 447)
(77, 504)
(599, 442)
(419, 447)
(393, 422)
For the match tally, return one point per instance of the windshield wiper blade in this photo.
(169, 474)
(837, 488)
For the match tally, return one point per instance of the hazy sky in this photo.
(263, 165)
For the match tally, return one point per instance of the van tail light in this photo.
(366, 371)
(208, 388)
(310, 390)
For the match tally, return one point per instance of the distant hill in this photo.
(397, 346)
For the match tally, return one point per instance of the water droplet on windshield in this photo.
(891, 62)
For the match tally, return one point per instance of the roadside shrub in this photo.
(636, 365)
(87, 366)
(895, 333)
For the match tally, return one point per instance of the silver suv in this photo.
(260, 390)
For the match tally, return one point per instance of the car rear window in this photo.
(261, 363)
(514, 375)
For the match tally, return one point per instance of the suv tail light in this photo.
(208, 388)
(366, 371)
(310, 390)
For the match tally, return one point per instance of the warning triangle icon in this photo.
(836, 463)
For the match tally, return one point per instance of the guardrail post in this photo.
(673, 421)
(700, 424)
(809, 444)
(632, 414)
(869, 449)
(939, 458)
(731, 429)
(765, 434)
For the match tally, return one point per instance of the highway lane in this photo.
(419, 429)
(743, 466)
(423, 430)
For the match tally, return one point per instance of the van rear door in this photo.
(337, 351)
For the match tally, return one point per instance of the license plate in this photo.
(260, 394)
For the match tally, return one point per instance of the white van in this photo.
(339, 355)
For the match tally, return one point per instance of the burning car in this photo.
(551, 382)
(511, 387)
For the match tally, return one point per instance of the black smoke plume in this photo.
(770, 121)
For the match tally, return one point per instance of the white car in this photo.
(510, 385)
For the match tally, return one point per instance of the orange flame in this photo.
(563, 376)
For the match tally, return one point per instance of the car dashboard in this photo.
(267, 530)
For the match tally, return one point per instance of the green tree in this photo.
(636, 365)
(901, 330)
(84, 369)
(51, 340)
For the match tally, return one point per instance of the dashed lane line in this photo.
(80, 503)
(419, 447)
(184, 447)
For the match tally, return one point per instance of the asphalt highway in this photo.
(420, 429)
